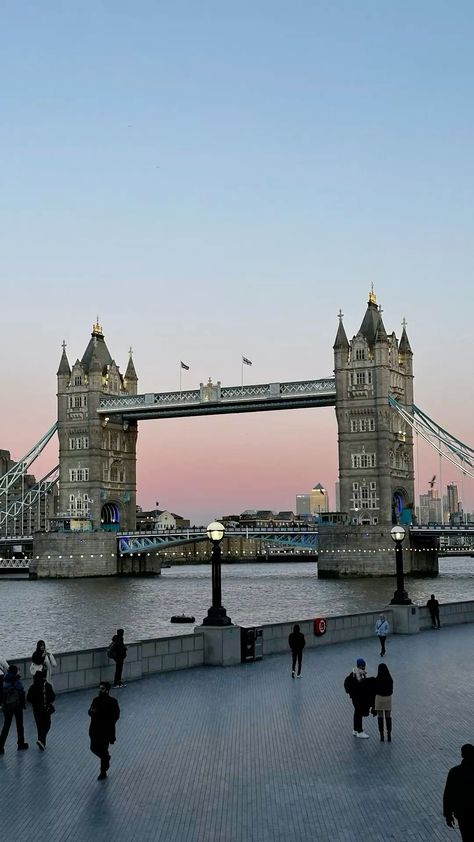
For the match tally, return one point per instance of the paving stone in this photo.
(247, 754)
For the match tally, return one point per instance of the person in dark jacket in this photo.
(433, 607)
(41, 697)
(104, 713)
(13, 701)
(361, 690)
(118, 652)
(458, 798)
(297, 643)
(383, 686)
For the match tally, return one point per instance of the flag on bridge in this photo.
(183, 365)
(246, 361)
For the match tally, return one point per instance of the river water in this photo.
(82, 613)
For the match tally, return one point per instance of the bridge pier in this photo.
(58, 555)
(355, 550)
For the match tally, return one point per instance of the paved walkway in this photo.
(246, 754)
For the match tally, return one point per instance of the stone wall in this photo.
(87, 667)
(339, 630)
(368, 551)
(450, 614)
(69, 554)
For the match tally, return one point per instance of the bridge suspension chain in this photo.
(448, 446)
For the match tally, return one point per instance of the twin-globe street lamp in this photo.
(216, 615)
(400, 596)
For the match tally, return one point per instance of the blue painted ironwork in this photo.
(131, 544)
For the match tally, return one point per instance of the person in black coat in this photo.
(433, 607)
(118, 652)
(13, 702)
(458, 798)
(361, 689)
(296, 642)
(104, 713)
(41, 697)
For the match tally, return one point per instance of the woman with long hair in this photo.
(383, 700)
(42, 660)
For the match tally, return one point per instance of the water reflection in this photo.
(81, 613)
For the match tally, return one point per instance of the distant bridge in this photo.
(303, 538)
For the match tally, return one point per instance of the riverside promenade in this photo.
(246, 754)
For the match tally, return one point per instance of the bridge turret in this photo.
(130, 379)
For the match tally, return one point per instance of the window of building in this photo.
(363, 460)
(354, 425)
(78, 442)
(360, 354)
(77, 380)
(360, 378)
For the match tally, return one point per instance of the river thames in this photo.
(82, 613)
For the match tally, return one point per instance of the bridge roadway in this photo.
(246, 754)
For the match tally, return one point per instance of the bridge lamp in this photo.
(216, 615)
(400, 596)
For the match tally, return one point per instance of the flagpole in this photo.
(180, 377)
(242, 373)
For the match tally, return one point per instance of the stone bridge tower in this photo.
(97, 457)
(376, 470)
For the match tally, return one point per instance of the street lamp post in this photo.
(400, 596)
(216, 615)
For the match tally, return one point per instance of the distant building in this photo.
(453, 506)
(430, 508)
(313, 503)
(159, 519)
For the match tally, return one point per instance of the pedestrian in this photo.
(458, 794)
(41, 697)
(104, 713)
(13, 701)
(3, 665)
(383, 686)
(433, 607)
(381, 630)
(297, 643)
(361, 690)
(117, 651)
(42, 660)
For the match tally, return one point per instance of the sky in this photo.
(219, 178)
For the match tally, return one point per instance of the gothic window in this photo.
(353, 425)
(78, 380)
(79, 504)
(78, 474)
(363, 460)
(360, 378)
(360, 354)
(78, 442)
(369, 377)
(371, 424)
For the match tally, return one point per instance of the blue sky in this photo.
(218, 177)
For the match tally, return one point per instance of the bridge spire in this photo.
(341, 342)
(64, 367)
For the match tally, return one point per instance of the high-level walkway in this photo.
(246, 754)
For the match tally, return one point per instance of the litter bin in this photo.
(251, 642)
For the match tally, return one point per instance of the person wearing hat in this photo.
(458, 794)
(13, 701)
(104, 713)
(361, 690)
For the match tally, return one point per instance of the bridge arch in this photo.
(110, 517)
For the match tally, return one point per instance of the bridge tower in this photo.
(376, 468)
(97, 457)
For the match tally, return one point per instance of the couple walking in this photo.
(41, 697)
(370, 695)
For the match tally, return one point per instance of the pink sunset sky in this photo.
(215, 181)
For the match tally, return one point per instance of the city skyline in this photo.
(217, 184)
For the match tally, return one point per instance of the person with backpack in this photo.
(42, 661)
(296, 642)
(117, 651)
(361, 690)
(104, 713)
(13, 702)
(41, 697)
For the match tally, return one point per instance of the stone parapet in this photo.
(352, 550)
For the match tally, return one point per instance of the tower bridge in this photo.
(372, 391)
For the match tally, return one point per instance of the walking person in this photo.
(42, 660)
(41, 697)
(117, 651)
(383, 686)
(361, 690)
(382, 629)
(297, 643)
(13, 701)
(458, 794)
(433, 607)
(104, 713)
